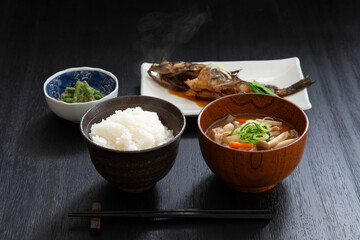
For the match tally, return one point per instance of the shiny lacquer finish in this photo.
(252, 171)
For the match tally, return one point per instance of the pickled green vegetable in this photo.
(82, 92)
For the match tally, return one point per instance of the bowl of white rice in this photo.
(133, 140)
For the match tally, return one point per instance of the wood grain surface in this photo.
(45, 168)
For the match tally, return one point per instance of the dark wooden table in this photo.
(45, 169)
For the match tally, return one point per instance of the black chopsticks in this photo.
(264, 214)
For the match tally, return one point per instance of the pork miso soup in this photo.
(252, 132)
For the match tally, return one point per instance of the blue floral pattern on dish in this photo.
(98, 80)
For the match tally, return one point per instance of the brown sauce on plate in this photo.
(199, 102)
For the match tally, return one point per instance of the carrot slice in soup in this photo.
(240, 145)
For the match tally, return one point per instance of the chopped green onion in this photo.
(251, 128)
(257, 125)
(264, 127)
(246, 137)
(252, 131)
(260, 136)
(233, 132)
(244, 126)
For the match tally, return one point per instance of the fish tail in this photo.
(296, 87)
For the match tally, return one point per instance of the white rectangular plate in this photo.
(281, 73)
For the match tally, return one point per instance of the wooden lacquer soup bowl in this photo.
(252, 171)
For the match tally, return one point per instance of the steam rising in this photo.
(161, 32)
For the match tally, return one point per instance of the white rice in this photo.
(131, 129)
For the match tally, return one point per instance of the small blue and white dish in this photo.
(99, 79)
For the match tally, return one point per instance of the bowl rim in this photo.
(134, 151)
(253, 94)
(73, 69)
